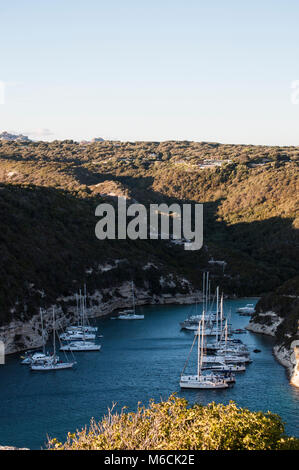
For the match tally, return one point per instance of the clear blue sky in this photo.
(151, 70)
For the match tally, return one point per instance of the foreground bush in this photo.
(173, 425)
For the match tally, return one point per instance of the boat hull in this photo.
(193, 381)
(49, 367)
(130, 317)
(79, 348)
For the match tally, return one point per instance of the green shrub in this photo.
(173, 425)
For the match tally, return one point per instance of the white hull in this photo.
(81, 346)
(200, 382)
(81, 329)
(58, 366)
(247, 310)
(226, 359)
(130, 317)
(229, 379)
(226, 368)
(77, 336)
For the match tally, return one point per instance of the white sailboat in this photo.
(223, 355)
(130, 314)
(200, 381)
(79, 339)
(210, 319)
(37, 356)
(54, 363)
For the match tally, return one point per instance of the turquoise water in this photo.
(139, 360)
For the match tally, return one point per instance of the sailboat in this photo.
(37, 356)
(80, 327)
(83, 337)
(200, 381)
(54, 363)
(130, 314)
(224, 357)
(191, 323)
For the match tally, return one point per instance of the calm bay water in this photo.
(139, 360)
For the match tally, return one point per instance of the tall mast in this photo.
(133, 296)
(85, 299)
(77, 304)
(225, 332)
(83, 311)
(221, 313)
(207, 291)
(217, 312)
(202, 340)
(42, 324)
(225, 337)
(203, 291)
(54, 343)
(198, 350)
(81, 306)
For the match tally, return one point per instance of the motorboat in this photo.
(247, 310)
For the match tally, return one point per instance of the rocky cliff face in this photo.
(19, 336)
(265, 323)
(295, 374)
(284, 327)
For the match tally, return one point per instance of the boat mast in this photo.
(202, 340)
(54, 343)
(133, 298)
(198, 350)
(221, 313)
(81, 306)
(225, 338)
(209, 295)
(77, 304)
(203, 291)
(42, 324)
(83, 311)
(207, 292)
(85, 303)
(217, 312)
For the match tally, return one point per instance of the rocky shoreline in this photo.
(287, 357)
(20, 336)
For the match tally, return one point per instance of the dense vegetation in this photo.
(49, 191)
(173, 425)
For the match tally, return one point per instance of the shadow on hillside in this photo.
(47, 238)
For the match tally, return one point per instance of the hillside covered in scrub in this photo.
(49, 192)
(173, 424)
